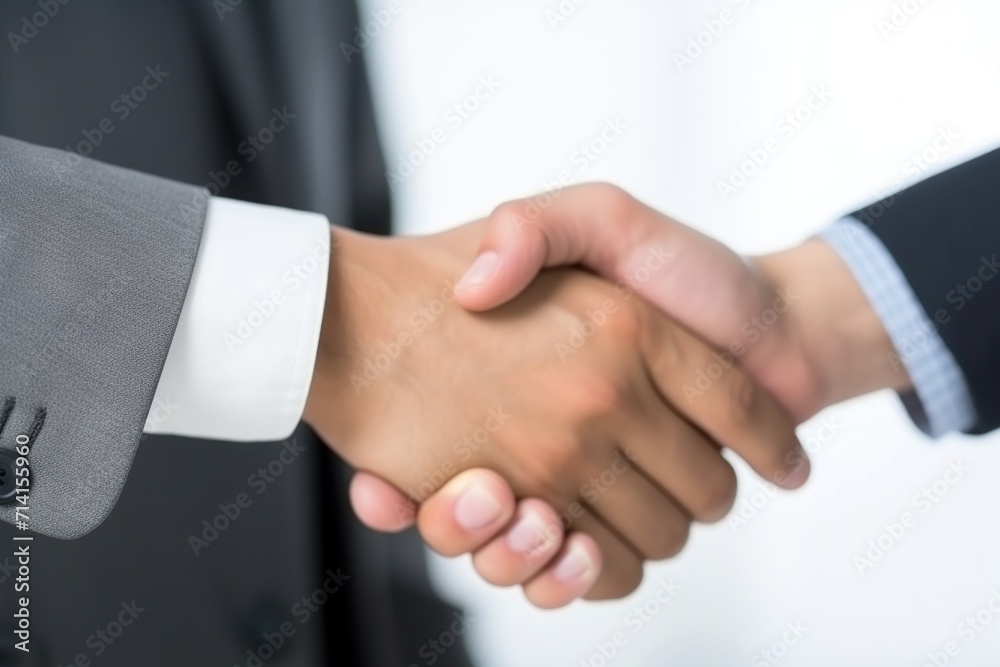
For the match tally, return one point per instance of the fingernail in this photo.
(476, 508)
(574, 564)
(481, 270)
(799, 473)
(528, 536)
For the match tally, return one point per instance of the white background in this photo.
(687, 128)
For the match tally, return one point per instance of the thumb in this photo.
(379, 505)
(511, 254)
(581, 224)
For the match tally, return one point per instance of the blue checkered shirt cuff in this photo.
(940, 401)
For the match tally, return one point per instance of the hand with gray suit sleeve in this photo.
(120, 285)
(574, 379)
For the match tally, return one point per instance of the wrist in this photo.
(837, 327)
(349, 317)
(377, 294)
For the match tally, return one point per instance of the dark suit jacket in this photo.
(944, 233)
(174, 88)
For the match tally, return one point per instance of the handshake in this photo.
(565, 425)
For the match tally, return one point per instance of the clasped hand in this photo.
(563, 437)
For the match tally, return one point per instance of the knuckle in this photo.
(549, 473)
(516, 215)
(561, 452)
(718, 497)
(669, 540)
(617, 202)
(600, 399)
(624, 326)
(619, 581)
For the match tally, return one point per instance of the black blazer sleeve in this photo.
(944, 233)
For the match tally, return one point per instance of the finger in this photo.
(379, 505)
(578, 225)
(570, 576)
(618, 572)
(651, 523)
(681, 461)
(525, 546)
(466, 513)
(712, 391)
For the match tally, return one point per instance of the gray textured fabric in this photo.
(226, 72)
(95, 262)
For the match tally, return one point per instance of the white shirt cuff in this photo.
(242, 357)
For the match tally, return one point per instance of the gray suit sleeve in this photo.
(95, 263)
